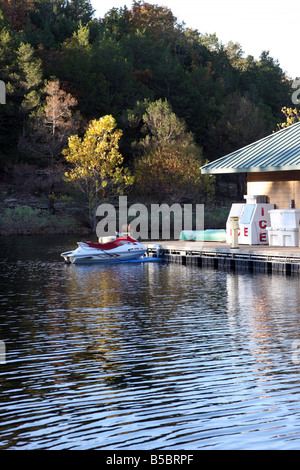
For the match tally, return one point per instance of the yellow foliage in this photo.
(292, 116)
(95, 160)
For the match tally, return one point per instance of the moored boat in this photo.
(121, 248)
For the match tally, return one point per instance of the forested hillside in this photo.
(177, 97)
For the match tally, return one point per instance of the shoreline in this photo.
(25, 214)
(73, 229)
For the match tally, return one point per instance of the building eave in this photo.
(257, 169)
(279, 151)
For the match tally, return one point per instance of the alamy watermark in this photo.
(158, 221)
(296, 84)
(296, 351)
(2, 352)
(2, 92)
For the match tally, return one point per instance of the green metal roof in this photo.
(279, 151)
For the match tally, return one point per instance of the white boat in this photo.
(110, 249)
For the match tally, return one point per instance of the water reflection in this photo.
(266, 308)
(137, 356)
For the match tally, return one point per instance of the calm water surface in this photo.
(155, 356)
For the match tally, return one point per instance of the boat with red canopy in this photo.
(111, 249)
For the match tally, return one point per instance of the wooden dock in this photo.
(217, 255)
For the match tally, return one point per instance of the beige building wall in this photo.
(279, 186)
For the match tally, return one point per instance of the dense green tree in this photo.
(115, 23)
(264, 83)
(52, 21)
(30, 79)
(169, 157)
(240, 124)
(75, 68)
(8, 116)
(162, 126)
(79, 10)
(128, 59)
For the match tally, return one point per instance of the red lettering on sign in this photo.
(262, 211)
(263, 237)
(262, 224)
(245, 231)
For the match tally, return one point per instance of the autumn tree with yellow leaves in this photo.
(96, 165)
(292, 115)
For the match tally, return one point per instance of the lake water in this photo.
(144, 357)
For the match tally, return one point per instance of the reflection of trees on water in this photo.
(121, 323)
(264, 318)
(140, 316)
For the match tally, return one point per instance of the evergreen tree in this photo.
(29, 81)
(126, 60)
(169, 157)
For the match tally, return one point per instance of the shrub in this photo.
(26, 220)
(22, 220)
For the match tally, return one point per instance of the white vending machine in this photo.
(254, 218)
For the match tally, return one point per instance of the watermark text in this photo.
(159, 221)
(2, 92)
(296, 351)
(296, 84)
(2, 352)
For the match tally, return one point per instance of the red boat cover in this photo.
(113, 244)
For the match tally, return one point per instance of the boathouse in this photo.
(272, 165)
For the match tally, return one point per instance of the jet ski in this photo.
(108, 249)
